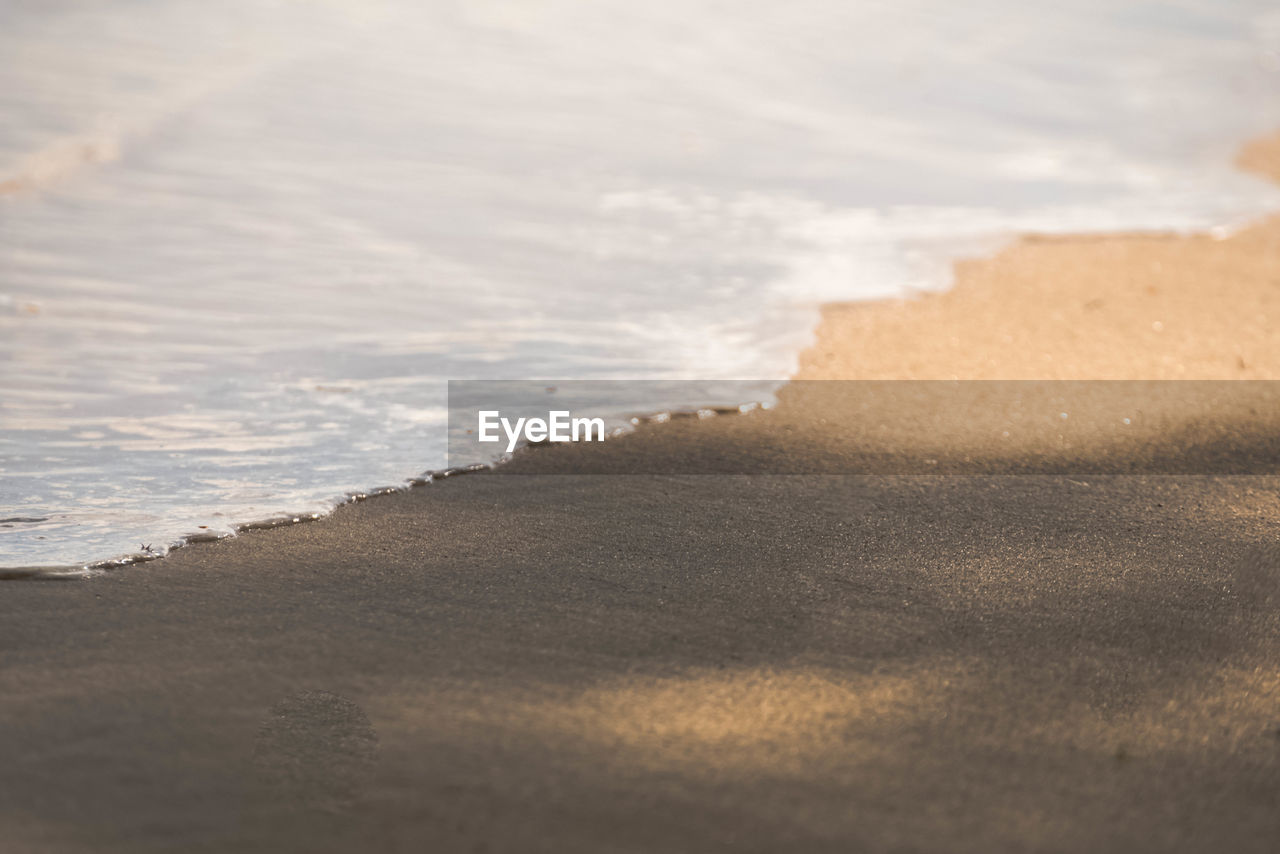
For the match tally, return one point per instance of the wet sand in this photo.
(536, 661)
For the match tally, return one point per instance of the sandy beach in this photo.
(705, 662)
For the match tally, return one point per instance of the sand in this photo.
(539, 661)
(1113, 307)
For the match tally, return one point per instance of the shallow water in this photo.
(244, 244)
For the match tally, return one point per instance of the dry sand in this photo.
(656, 662)
(1120, 307)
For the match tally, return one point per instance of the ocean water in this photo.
(244, 244)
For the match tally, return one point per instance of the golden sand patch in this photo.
(1108, 307)
(751, 720)
(773, 718)
(803, 721)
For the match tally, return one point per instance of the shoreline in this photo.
(747, 662)
(1084, 307)
(919, 337)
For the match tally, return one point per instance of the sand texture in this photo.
(539, 661)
